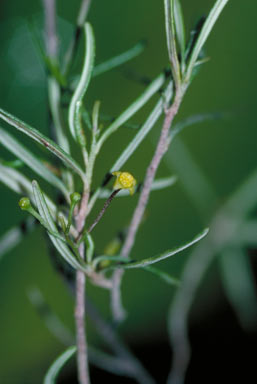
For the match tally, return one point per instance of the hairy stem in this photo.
(106, 205)
(82, 352)
(162, 146)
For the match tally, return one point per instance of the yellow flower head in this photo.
(124, 180)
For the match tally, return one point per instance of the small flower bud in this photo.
(24, 203)
(124, 180)
(75, 197)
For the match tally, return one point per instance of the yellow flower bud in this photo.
(124, 180)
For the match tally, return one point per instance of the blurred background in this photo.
(211, 159)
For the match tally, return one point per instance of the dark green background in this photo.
(225, 151)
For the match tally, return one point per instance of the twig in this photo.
(82, 353)
(161, 148)
(106, 205)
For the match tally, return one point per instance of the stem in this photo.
(106, 205)
(82, 352)
(161, 148)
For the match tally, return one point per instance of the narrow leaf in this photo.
(30, 160)
(206, 30)
(167, 254)
(82, 86)
(20, 184)
(133, 108)
(180, 28)
(59, 245)
(163, 275)
(53, 371)
(171, 39)
(118, 60)
(143, 131)
(43, 140)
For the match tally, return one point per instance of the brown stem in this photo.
(106, 205)
(161, 148)
(82, 353)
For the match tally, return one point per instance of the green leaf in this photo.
(43, 140)
(53, 371)
(171, 40)
(30, 160)
(59, 244)
(163, 275)
(152, 260)
(143, 131)
(239, 285)
(132, 109)
(76, 101)
(118, 60)
(20, 184)
(180, 29)
(205, 31)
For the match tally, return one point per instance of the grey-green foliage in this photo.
(90, 139)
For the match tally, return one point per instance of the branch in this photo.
(82, 352)
(161, 149)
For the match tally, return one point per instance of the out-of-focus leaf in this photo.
(15, 180)
(194, 119)
(163, 275)
(14, 236)
(118, 60)
(239, 285)
(43, 140)
(30, 160)
(53, 371)
(52, 322)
